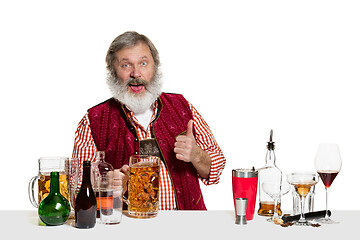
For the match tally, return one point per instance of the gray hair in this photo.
(126, 40)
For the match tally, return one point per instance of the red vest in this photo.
(114, 133)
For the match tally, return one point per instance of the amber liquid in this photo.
(304, 188)
(106, 201)
(44, 186)
(143, 187)
(267, 209)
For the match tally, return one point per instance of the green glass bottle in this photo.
(55, 208)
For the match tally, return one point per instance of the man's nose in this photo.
(135, 73)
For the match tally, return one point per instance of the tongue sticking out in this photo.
(136, 88)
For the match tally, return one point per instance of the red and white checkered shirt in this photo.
(85, 149)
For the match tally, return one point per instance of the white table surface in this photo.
(179, 225)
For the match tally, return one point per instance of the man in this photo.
(140, 119)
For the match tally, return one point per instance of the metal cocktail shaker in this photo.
(244, 184)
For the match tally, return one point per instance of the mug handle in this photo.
(31, 191)
(125, 200)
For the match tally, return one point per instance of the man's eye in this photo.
(143, 63)
(125, 65)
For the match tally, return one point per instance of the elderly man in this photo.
(141, 119)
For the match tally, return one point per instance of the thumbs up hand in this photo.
(187, 150)
(185, 145)
(190, 126)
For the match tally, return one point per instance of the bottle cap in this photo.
(86, 163)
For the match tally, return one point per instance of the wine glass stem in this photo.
(275, 215)
(327, 195)
(302, 203)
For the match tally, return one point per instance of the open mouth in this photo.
(136, 88)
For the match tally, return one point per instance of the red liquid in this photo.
(328, 177)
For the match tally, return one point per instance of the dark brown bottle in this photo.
(85, 203)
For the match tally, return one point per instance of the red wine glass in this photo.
(328, 165)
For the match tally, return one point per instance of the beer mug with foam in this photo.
(68, 169)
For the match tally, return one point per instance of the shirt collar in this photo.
(154, 107)
(131, 115)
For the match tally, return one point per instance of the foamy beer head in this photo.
(143, 186)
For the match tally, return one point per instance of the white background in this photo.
(247, 66)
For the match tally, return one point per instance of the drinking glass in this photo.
(143, 186)
(275, 190)
(68, 169)
(47, 165)
(110, 199)
(328, 165)
(309, 201)
(302, 181)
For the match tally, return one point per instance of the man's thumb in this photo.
(189, 132)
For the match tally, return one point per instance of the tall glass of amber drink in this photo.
(143, 186)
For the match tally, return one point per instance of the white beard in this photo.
(138, 103)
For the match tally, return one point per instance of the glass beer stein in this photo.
(68, 177)
(143, 186)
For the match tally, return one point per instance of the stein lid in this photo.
(244, 172)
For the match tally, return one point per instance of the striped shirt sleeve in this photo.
(84, 145)
(206, 141)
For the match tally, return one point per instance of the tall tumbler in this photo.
(244, 184)
(309, 201)
(110, 199)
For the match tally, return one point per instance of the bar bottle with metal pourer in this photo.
(268, 173)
